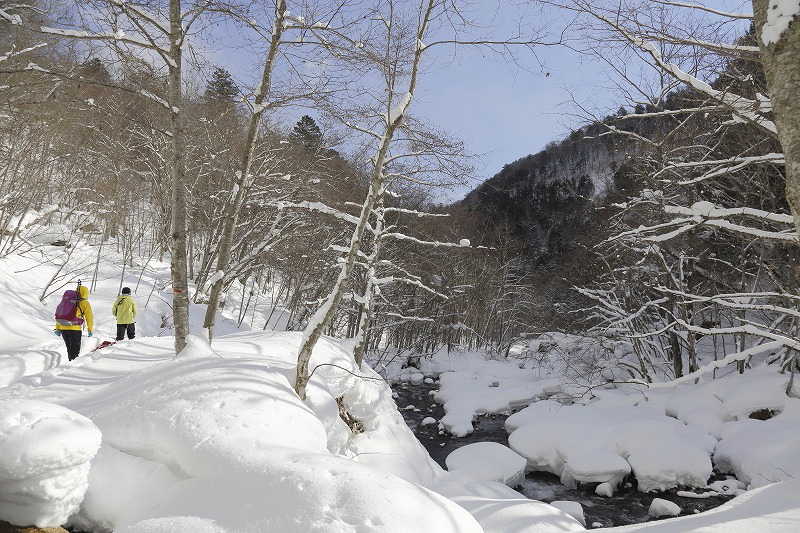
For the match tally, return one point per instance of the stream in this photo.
(627, 506)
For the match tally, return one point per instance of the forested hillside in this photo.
(670, 220)
(549, 196)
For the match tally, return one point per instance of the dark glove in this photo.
(90, 333)
(57, 332)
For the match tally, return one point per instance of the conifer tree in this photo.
(94, 69)
(221, 86)
(306, 133)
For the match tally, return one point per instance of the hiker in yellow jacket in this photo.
(72, 334)
(125, 311)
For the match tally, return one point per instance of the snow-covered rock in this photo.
(488, 461)
(761, 452)
(574, 509)
(602, 444)
(660, 507)
(496, 387)
(698, 408)
(759, 390)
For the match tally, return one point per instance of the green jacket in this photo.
(124, 309)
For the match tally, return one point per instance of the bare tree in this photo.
(161, 31)
(709, 180)
(308, 26)
(396, 38)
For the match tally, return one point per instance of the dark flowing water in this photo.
(627, 506)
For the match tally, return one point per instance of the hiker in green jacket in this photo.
(125, 311)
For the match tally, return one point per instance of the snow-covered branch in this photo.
(13, 19)
(709, 210)
(409, 318)
(726, 166)
(12, 53)
(739, 301)
(320, 208)
(730, 358)
(707, 214)
(745, 16)
(132, 9)
(413, 212)
(741, 106)
(436, 244)
(155, 98)
(118, 36)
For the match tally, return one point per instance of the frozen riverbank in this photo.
(627, 506)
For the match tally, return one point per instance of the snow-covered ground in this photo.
(130, 438)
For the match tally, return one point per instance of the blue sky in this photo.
(501, 111)
(505, 113)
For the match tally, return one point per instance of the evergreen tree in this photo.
(221, 86)
(95, 70)
(306, 133)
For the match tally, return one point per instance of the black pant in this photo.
(122, 329)
(72, 338)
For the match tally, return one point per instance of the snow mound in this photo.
(206, 416)
(499, 508)
(120, 485)
(584, 463)
(496, 387)
(587, 444)
(45, 451)
(758, 390)
(697, 408)
(574, 509)
(760, 452)
(300, 493)
(489, 461)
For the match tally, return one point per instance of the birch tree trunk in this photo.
(394, 116)
(780, 55)
(178, 239)
(242, 179)
(367, 309)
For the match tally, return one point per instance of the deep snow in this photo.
(131, 438)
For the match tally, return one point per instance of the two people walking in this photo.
(75, 310)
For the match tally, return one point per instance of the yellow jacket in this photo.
(124, 309)
(84, 311)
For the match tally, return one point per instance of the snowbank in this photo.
(772, 509)
(45, 451)
(301, 492)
